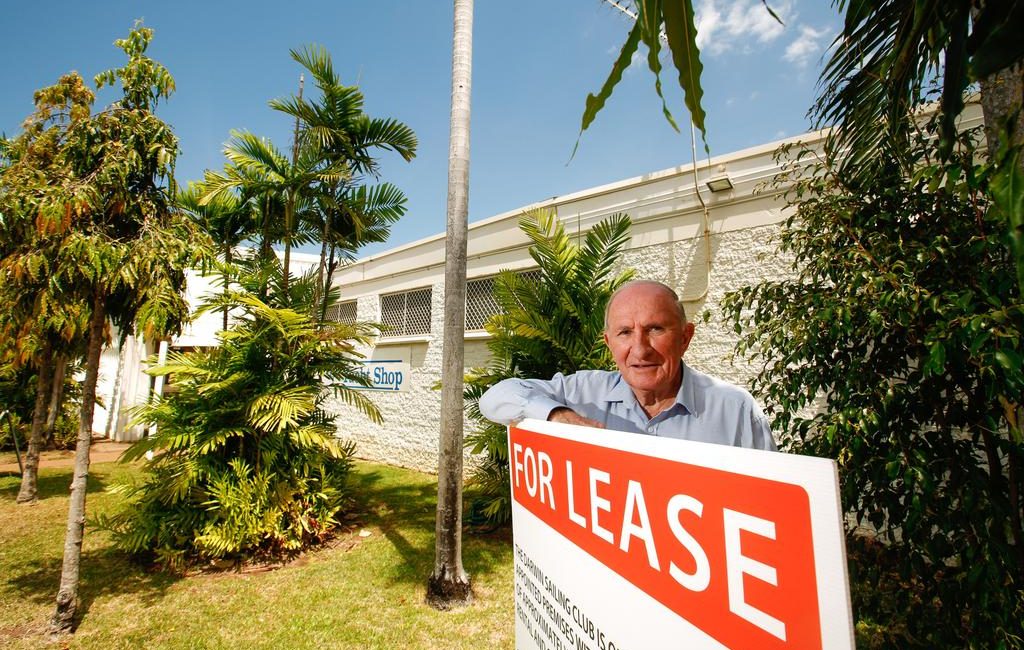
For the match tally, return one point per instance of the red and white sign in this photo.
(625, 541)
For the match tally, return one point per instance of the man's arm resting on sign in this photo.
(513, 400)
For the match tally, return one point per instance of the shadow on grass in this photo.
(104, 572)
(49, 484)
(405, 512)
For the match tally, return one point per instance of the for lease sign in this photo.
(625, 541)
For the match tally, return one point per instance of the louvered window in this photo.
(406, 313)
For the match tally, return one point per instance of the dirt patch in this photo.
(23, 631)
(101, 450)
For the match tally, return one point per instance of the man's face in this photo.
(647, 339)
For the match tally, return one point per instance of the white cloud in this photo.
(807, 46)
(724, 25)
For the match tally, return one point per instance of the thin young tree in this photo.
(449, 585)
(121, 245)
(42, 319)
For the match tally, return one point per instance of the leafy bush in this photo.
(544, 326)
(18, 394)
(901, 331)
(246, 462)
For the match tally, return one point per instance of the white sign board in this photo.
(387, 375)
(628, 542)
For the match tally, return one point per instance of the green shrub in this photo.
(245, 459)
(896, 349)
(18, 394)
(544, 325)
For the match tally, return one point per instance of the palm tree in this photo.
(256, 168)
(449, 584)
(226, 217)
(882, 62)
(548, 323)
(337, 126)
(350, 217)
(246, 458)
(657, 23)
(887, 53)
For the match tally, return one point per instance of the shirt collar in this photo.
(686, 395)
(621, 392)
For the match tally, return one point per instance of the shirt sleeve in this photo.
(512, 400)
(761, 433)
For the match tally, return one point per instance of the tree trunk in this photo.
(1001, 95)
(286, 265)
(56, 397)
(449, 585)
(328, 281)
(115, 395)
(320, 295)
(67, 597)
(289, 212)
(29, 477)
(1002, 98)
(227, 276)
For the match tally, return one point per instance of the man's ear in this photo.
(688, 329)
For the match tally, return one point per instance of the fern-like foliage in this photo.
(542, 328)
(245, 462)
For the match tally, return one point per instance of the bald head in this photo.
(644, 286)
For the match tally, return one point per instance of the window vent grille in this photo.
(406, 313)
(342, 312)
(480, 302)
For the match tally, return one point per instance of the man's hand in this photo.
(566, 415)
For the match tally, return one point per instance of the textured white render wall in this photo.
(409, 434)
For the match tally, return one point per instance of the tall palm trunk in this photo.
(67, 597)
(287, 264)
(449, 585)
(328, 281)
(227, 276)
(1002, 96)
(29, 477)
(289, 208)
(320, 291)
(266, 239)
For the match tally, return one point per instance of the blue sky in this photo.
(534, 63)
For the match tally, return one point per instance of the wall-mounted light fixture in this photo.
(719, 183)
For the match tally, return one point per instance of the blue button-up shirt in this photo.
(706, 409)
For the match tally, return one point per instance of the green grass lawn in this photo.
(360, 592)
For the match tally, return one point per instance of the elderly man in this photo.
(653, 391)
